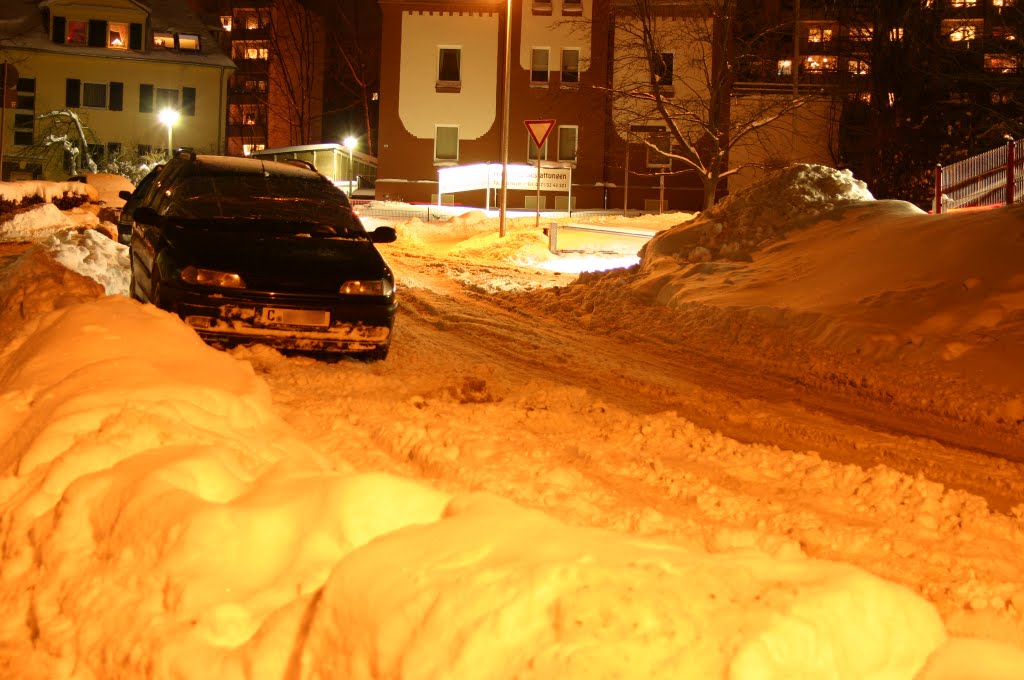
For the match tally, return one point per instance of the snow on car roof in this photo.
(244, 166)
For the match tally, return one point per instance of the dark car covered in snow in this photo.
(251, 251)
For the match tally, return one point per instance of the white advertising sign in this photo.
(521, 177)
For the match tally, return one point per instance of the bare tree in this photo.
(673, 87)
(67, 135)
(354, 73)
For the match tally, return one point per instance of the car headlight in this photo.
(370, 287)
(211, 277)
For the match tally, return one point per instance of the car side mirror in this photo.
(146, 215)
(383, 235)
(124, 194)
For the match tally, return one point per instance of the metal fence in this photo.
(389, 210)
(989, 179)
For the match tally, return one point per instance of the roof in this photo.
(22, 27)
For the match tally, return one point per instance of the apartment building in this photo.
(275, 98)
(116, 64)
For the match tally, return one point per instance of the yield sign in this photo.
(539, 130)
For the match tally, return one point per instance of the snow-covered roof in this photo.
(28, 31)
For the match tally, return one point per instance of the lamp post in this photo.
(169, 117)
(349, 143)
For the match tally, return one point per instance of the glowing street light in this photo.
(169, 117)
(350, 144)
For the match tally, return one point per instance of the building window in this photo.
(251, 50)
(188, 101)
(26, 94)
(1003, 33)
(117, 36)
(858, 67)
(188, 42)
(144, 149)
(662, 69)
(78, 33)
(113, 149)
(784, 67)
(567, 135)
(539, 65)
(861, 33)
(116, 96)
(446, 143)
(963, 3)
(24, 129)
(818, 63)
(146, 98)
(165, 40)
(449, 65)
(247, 149)
(570, 66)
(896, 34)
(255, 86)
(960, 31)
(166, 98)
(251, 19)
(1001, 63)
(819, 34)
(225, 23)
(94, 95)
(531, 149)
(572, 7)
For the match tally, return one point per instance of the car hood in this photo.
(279, 262)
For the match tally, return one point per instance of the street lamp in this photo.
(349, 143)
(169, 117)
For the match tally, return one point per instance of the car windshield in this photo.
(220, 200)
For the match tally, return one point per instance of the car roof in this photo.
(233, 165)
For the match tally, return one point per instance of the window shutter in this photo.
(135, 37)
(60, 30)
(145, 99)
(73, 93)
(116, 96)
(188, 101)
(97, 33)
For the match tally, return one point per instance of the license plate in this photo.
(295, 317)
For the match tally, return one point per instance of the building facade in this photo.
(111, 66)
(276, 96)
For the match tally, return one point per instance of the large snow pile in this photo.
(42, 220)
(766, 211)
(108, 186)
(16, 192)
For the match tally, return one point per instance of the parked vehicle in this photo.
(132, 200)
(252, 251)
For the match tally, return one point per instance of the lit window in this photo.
(188, 41)
(449, 64)
(858, 67)
(250, 50)
(570, 66)
(963, 3)
(962, 32)
(1001, 63)
(225, 23)
(896, 34)
(78, 33)
(1003, 33)
(539, 65)
(255, 86)
(861, 33)
(165, 40)
(117, 36)
(247, 149)
(819, 34)
(784, 67)
(567, 135)
(446, 143)
(892, 99)
(817, 63)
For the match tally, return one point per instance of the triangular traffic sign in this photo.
(539, 130)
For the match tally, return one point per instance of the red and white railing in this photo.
(990, 179)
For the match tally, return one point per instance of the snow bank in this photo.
(763, 213)
(48, 191)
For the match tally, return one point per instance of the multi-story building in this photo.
(276, 96)
(114, 65)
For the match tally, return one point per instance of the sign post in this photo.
(539, 131)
